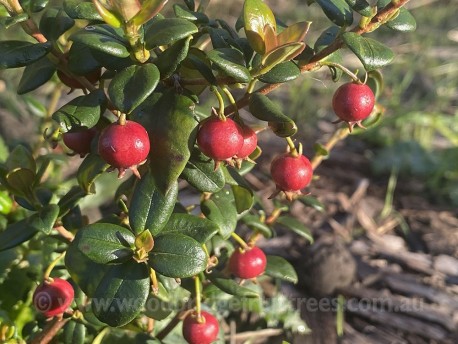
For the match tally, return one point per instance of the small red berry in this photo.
(248, 263)
(53, 297)
(124, 146)
(250, 142)
(218, 139)
(353, 102)
(290, 173)
(80, 141)
(92, 77)
(205, 332)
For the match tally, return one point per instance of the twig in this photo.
(173, 323)
(50, 331)
(268, 332)
(65, 233)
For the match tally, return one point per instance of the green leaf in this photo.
(81, 112)
(34, 6)
(121, 294)
(81, 61)
(296, 226)
(372, 54)
(170, 113)
(177, 255)
(149, 208)
(54, 23)
(35, 75)
(360, 6)
(279, 267)
(264, 109)
(8, 22)
(182, 12)
(200, 172)
(229, 286)
(311, 201)
(282, 72)
(195, 227)
(243, 197)
(253, 222)
(86, 274)
(256, 16)
(131, 86)
(338, 11)
(221, 209)
(403, 22)
(74, 333)
(326, 38)
(231, 62)
(281, 54)
(92, 167)
(71, 199)
(20, 181)
(105, 243)
(78, 9)
(20, 53)
(103, 38)
(23, 230)
(168, 31)
(170, 59)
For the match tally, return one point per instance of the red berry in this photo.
(247, 263)
(353, 102)
(218, 139)
(80, 141)
(124, 146)
(250, 142)
(200, 333)
(92, 77)
(53, 298)
(290, 173)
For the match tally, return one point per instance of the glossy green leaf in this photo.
(197, 65)
(81, 112)
(403, 22)
(131, 86)
(121, 294)
(372, 53)
(338, 11)
(282, 72)
(195, 227)
(23, 230)
(326, 38)
(20, 181)
(170, 59)
(110, 62)
(21, 157)
(231, 62)
(80, 60)
(21, 53)
(34, 6)
(103, 38)
(177, 255)
(74, 333)
(78, 9)
(8, 22)
(185, 13)
(35, 75)
(281, 54)
(375, 82)
(220, 208)
(264, 109)
(105, 243)
(150, 208)
(311, 201)
(91, 168)
(256, 16)
(230, 286)
(296, 226)
(279, 267)
(71, 199)
(84, 271)
(360, 6)
(168, 31)
(253, 222)
(200, 172)
(243, 197)
(54, 23)
(170, 113)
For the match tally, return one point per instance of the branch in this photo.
(50, 331)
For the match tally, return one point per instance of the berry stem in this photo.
(237, 238)
(352, 75)
(198, 299)
(231, 100)
(174, 322)
(292, 147)
(51, 266)
(338, 135)
(50, 331)
(218, 95)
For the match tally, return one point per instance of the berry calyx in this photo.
(204, 331)
(124, 146)
(291, 174)
(247, 263)
(352, 103)
(80, 141)
(250, 142)
(67, 80)
(53, 297)
(219, 139)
